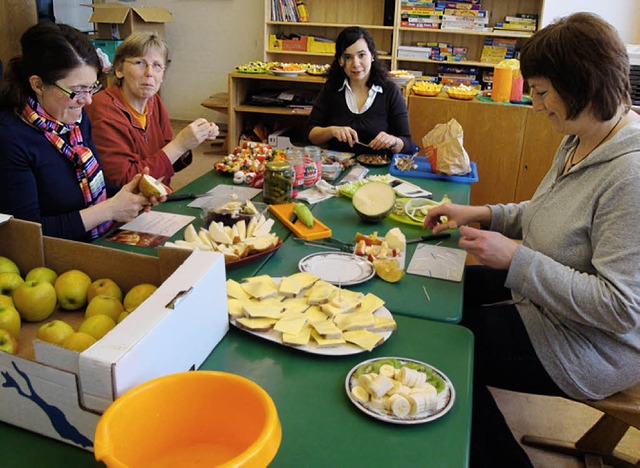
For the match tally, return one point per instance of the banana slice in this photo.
(399, 405)
(388, 370)
(365, 381)
(360, 394)
(380, 385)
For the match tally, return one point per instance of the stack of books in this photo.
(521, 22)
(459, 16)
(420, 14)
(294, 11)
(451, 75)
(497, 49)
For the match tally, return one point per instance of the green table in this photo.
(321, 427)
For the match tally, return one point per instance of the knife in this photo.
(430, 237)
(186, 196)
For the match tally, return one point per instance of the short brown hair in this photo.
(585, 60)
(138, 44)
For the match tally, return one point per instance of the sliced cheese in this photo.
(370, 303)
(324, 342)
(291, 326)
(271, 309)
(363, 338)
(315, 314)
(382, 324)
(300, 339)
(235, 307)
(320, 292)
(355, 321)
(257, 324)
(260, 287)
(327, 329)
(235, 290)
(295, 304)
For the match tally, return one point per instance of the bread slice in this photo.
(324, 342)
(234, 306)
(261, 287)
(315, 314)
(294, 285)
(256, 324)
(320, 292)
(383, 324)
(295, 304)
(301, 339)
(327, 329)
(268, 309)
(291, 326)
(355, 321)
(370, 303)
(363, 338)
(341, 302)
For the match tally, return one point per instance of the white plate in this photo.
(287, 72)
(416, 203)
(446, 398)
(341, 350)
(339, 268)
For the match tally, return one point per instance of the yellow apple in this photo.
(8, 342)
(137, 295)
(6, 264)
(104, 287)
(9, 281)
(10, 320)
(97, 325)
(122, 316)
(55, 332)
(106, 305)
(6, 300)
(79, 341)
(35, 300)
(42, 274)
(71, 288)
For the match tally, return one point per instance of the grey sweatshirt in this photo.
(576, 276)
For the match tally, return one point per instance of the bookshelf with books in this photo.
(478, 34)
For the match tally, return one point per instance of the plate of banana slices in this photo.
(400, 390)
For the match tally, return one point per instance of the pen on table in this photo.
(430, 237)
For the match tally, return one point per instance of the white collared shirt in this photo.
(350, 97)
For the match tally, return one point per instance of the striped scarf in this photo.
(88, 172)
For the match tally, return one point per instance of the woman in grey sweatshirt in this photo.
(562, 269)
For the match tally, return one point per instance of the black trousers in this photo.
(504, 358)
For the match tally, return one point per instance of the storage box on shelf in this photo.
(117, 20)
(61, 393)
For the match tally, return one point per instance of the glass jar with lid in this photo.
(278, 178)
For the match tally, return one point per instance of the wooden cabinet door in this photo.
(493, 138)
(539, 147)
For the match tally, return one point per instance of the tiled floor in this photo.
(526, 414)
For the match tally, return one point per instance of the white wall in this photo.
(623, 14)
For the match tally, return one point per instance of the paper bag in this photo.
(445, 151)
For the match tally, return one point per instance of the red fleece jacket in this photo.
(124, 147)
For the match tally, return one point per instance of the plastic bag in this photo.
(443, 146)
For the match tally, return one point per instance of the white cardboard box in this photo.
(60, 393)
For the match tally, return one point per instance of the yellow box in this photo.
(295, 45)
(314, 45)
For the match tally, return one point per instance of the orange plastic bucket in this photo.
(201, 418)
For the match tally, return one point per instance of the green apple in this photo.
(8, 342)
(6, 300)
(41, 274)
(6, 264)
(35, 300)
(79, 341)
(71, 288)
(97, 325)
(55, 332)
(10, 320)
(137, 295)
(9, 281)
(106, 305)
(104, 287)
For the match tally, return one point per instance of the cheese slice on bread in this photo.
(327, 329)
(301, 339)
(291, 326)
(296, 284)
(235, 290)
(363, 338)
(256, 324)
(324, 342)
(320, 292)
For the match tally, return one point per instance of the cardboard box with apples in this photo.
(61, 393)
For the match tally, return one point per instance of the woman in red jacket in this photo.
(131, 127)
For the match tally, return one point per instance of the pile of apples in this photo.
(35, 297)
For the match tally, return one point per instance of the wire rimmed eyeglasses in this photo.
(157, 67)
(75, 95)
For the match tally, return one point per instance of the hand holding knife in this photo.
(430, 237)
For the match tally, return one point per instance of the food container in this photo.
(203, 418)
(331, 171)
(278, 181)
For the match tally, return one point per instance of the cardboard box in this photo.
(119, 20)
(279, 139)
(321, 46)
(295, 45)
(61, 393)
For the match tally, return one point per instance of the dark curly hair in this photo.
(347, 37)
(50, 51)
(586, 62)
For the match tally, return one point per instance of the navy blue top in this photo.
(388, 113)
(37, 182)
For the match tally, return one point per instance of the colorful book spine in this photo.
(303, 12)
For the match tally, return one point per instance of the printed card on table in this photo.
(438, 262)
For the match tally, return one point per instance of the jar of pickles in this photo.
(278, 181)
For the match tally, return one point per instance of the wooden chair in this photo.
(219, 102)
(598, 444)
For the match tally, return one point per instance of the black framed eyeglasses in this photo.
(75, 95)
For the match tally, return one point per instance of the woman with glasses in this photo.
(131, 126)
(49, 170)
(359, 103)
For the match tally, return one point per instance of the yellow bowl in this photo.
(201, 418)
(426, 93)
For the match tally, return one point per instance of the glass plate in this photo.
(446, 398)
(339, 268)
(287, 72)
